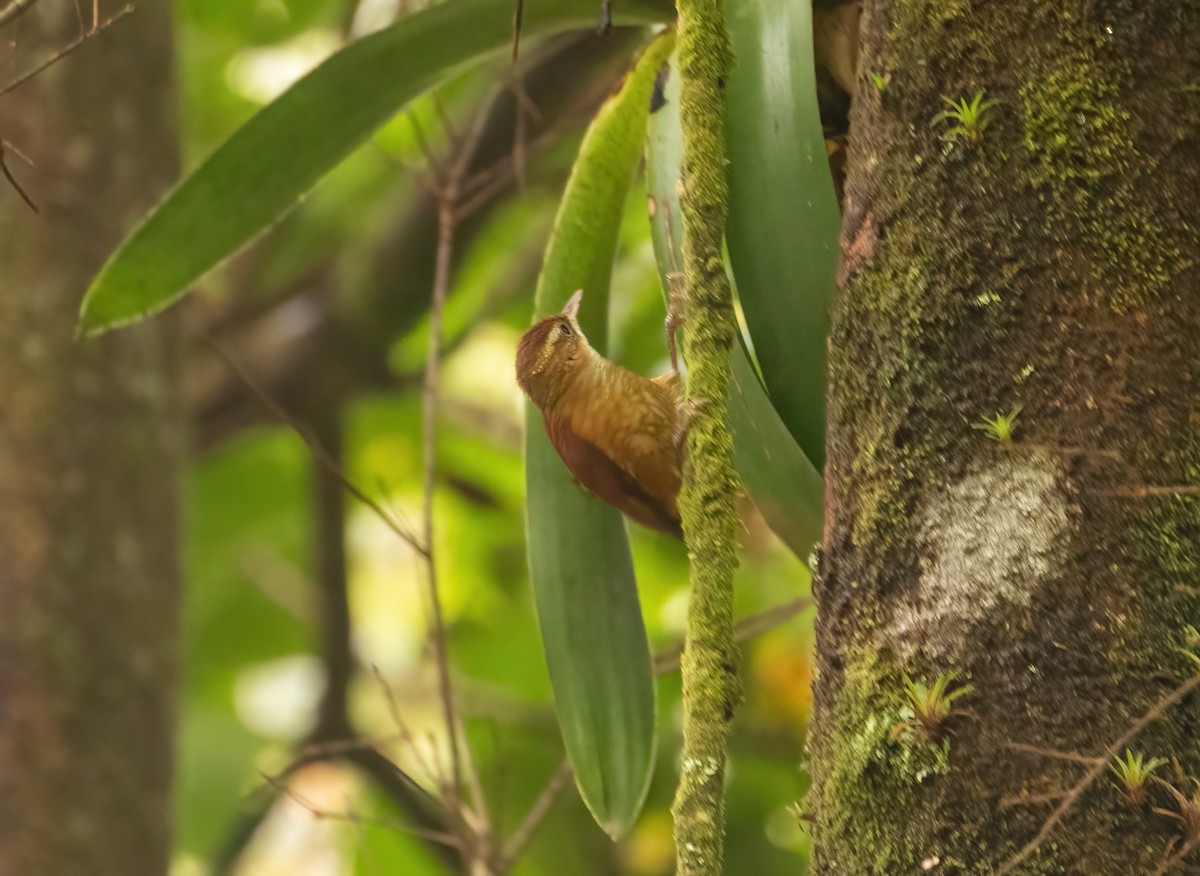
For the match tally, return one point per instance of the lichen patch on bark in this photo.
(992, 542)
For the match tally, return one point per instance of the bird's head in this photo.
(551, 354)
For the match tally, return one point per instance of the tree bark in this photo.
(89, 463)
(1051, 265)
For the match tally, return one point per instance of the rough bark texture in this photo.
(89, 446)
(711, 689)
(1053, 265)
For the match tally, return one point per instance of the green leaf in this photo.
(781, 480)
(267, 165)
(783, 214)
(579, 559)
(785, 486)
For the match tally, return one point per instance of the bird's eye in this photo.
(564, 329)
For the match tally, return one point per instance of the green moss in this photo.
(1166, 539)
(915, 16)
(872, 773)
(1084, 166)
(707, 500)
(1167, 536)
(891, 293)
(1074, 126)
(880, 501)
(1059, 201)
(1171, 538)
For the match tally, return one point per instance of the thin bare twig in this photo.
(536, 815)
(1031, 799)
(450, 177)
(667, 660)
(8, 13)
(402, 728)
(518, 16)
(485, 185)
(96, 29)
(285, 788)
(1054, 754)
(466, 149)
(1113, 750)
(475, 786)
(524, 101)
(358, 752)
(519, 150)
(431, 157)
(1169, 864)
(13, 9)
(314, 447)
(396, 785)
(441, 281)
(439, 110)
(6, 147)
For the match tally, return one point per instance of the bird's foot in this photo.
(687, 411)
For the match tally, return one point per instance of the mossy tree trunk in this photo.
(89, 446)
(1051, 265)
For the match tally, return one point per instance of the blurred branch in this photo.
(5, 148)
(405, 794)
(487, 185)
(332, 737)
(536, 815)
(445, 248)
(450, 176)
(319, 453)
(667, 660)
(13, 9)
(398, 787)
(435, 836)
(97, 28)
(333, 611)
(9, 12)
(240, 833)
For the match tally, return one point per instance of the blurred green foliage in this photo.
(252, 646)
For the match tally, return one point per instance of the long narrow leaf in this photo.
(579, 559)
(269, 163)
(783, 483)
(783, 215)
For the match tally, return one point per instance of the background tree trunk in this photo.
(89, 453)
(1054, 266)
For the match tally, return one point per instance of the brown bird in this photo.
(619, 433)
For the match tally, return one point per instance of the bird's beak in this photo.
(572, 308)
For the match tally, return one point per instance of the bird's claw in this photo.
(687, 411)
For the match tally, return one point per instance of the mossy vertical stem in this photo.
(709, 665)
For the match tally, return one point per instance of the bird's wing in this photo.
(596, 471)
